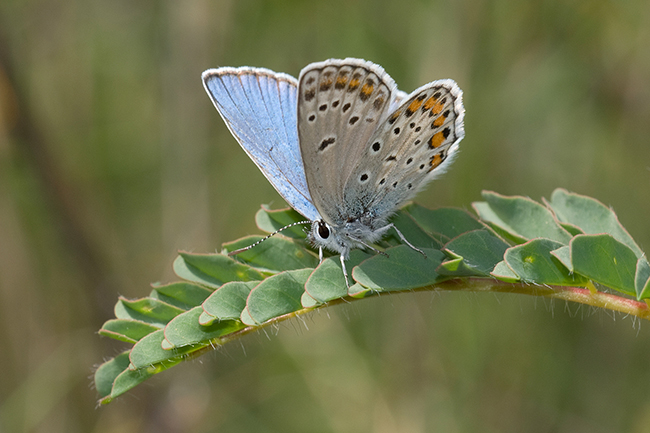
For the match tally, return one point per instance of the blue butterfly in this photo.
(342, 145)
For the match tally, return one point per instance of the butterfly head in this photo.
(323, 235)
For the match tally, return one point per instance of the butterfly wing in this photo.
(259, 108)
(414, 145)
(340, 105)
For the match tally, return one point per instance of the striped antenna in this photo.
(241, 250)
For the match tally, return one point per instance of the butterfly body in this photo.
(342, 145)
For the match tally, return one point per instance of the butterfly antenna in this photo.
(241, 250)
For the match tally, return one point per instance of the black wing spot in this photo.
(364, 177)
(336, 103)
(396, 131)
(353, 120)
(417, 142)
(409, 186)
(346, 107)
(408, 161)
(323, 107)
(326, 143)
(391, 158)
(412, 125)
(395, 185)
(309, 94)
(421, 166)
(376, 146)
(446, 132)
(418, 129)
(312, 118)
(383, 181)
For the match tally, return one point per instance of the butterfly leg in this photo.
(320, 255)
(370, 247)
(401, 236)
(345, 271)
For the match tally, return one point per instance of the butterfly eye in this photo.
(323, 231)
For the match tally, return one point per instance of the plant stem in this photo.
(567, 293)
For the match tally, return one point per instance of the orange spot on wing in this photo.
(437, 108)
(437, 140)
(341, 81)
(354, 83)
(413, 106)
(367, 89)
(439, 121)
(430, 103)
(435, 161)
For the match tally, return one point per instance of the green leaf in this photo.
(503, 272)
(107, 372)
(411, 231)
(605, 260)
(307, 301)
(404, 269)
(327, 281)
(181, 295)
(642, 279)
(228, 301)
(591, 216)
(275, 296)
(534, 263)
(149, 351)
(128, 379)
(126, 330)
(149, 310)
(276, 254)
(358, 291)
(573, 230)
(479, 249)
(213, 269)
(246, 318)
(185, 329)
(520, 218)
(271, 220)
(563, 254)
(444, 223)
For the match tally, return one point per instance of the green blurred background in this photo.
(112, 158)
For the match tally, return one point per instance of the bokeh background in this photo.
(112, 158)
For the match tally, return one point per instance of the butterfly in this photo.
(342, 145)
